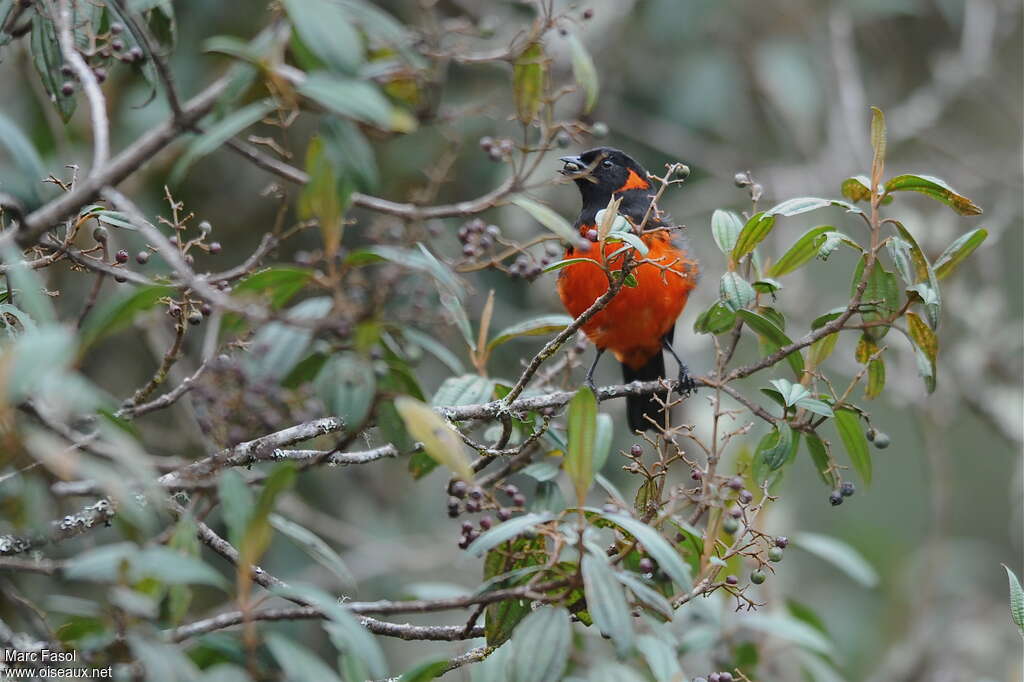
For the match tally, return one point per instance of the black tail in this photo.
(639, 407)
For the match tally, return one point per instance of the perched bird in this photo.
(639, 321)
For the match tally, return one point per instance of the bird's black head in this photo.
(603, 171)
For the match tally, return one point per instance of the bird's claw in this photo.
(686, 386)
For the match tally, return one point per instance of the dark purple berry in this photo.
(847, 488)
(458, 488)
(67, 88)
(511, 489)
(592, 235)
(472, 506)
(636, 450)
(142, 257)
(519, 500)
(646, 565)
(588, 13)
(745, 496)
(463, 542)
(486, 522)
(206, 309)
(453, 507)
(195, 317)
(735, 512)
(116, 28)
(486, 143)
(120, 279)
(836, 498)
(725, 676)
(173, 240)
(736, 483)
(466, 527)
(117, 45)
(101, 74)
(215, 248)
(476, 493)
(731, 580)
(66, 70)
(504, 514)
(696, 474)
(714, 677)
(781, 542)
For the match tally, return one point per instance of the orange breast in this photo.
(634, 322)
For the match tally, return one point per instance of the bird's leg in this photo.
(589, 381)
(686, 383)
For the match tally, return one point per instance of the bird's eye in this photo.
(607, 163)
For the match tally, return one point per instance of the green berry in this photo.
(882, 440)
(730, 525)
(758, 577)
(775, 554)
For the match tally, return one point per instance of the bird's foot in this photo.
(687, 386)
(589, 383)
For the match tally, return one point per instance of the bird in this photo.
(638, 323)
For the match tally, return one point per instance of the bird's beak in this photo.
(572, 165)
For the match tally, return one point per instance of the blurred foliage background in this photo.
(778, 88)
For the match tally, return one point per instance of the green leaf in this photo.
(439, 439)
(662, 659)
(417, 259)
(278, 346)
(819, 456)
(219, 133)
(927, 343)
(657, 546)
(956, 252)
(281, 283)
(803, 250)
(298, 663)
(327, 31)
(822, 320)
(427, 670)
(878, 142)
(510, 564)
(506, 531)
(840, 554)
(606, 603)
(645, 593)
(347, 386)
(602, 441)
(26, 184)
(48, 60)
(774, 337)
(1016, 599)
(236, 503)
(735, 292)
(582, 426)
(775, 447)
(848, 425)
(172, 567)
(547, 217)
(927, 284)
(528, 74)
(881, 297)
(316, 548)
(585, 73)
(821, 349)
(354, 99)
(798, 205)
(325, 198)
(258, 531)
(816, 406)
(936, 189)
(162, 661)
(468, 389)
(535, 326)
(558, 265)
(715, 320)
(753, 233)
(725, 228)
(876, 378)
(631, 239)
(786, 627)
(350, 153)
(541, 646)
(116, 314)
(857, 188)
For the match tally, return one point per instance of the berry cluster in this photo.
(723, 676)
(528, 267)
(108, 46)
(464, 498)
(497, 149)
(477, 237)
(845, 490)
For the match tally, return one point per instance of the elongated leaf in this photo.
(927, 284)
(26, 184)
(325, 198)
(280, 283)
(956, 252)
(528, 74)
(775, 447)
(657, 546)
(347, 386)
(840, 554)
(819, 456)
(631, 239)
(278, 346)
(645, 593)
(116, 314)
(582, 434)
(298, 663)
(506, 531)
(438, 438)
(878, 143)
(540, 648)
(258, 532)
(821, 349)
(602, 441)
(774, 337)
(715, 320)
(735, 292)
(48, 60)
(876, 378)
(936, 189)
(803, 250)
(927, 347)
(468, 389)
(418, 259)
(355, 99)
(316, 547)
(535, 326)
(881, 297)
(1016, 599)
(585, 73)
(725, 228)
(172, 567)
(325, 29)
(786, 627)
(606, 603)
(856, 444)
(857, 188)
(661, 658)
(236, 503)
(548, 218)
(753, 233)
(219, 133)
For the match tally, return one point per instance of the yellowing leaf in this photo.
(438, 438)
